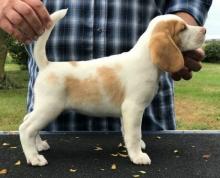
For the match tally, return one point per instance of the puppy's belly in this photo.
(97, 110)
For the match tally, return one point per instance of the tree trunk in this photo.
(3, 55)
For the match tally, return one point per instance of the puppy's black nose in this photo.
(203, 30)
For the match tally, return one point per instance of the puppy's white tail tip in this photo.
(58, 15)
(39, 48)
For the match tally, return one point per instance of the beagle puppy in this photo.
(121, 85)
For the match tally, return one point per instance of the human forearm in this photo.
(189, 19)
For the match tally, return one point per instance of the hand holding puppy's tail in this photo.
(40, 45)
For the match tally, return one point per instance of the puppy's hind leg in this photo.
(29, 129)
(42, 145)
(132, 117)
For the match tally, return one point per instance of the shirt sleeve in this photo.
(197, 8)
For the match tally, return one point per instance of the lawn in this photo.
(13, 101)
(197, 101)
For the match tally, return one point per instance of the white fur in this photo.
(138, 76)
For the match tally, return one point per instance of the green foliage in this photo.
(212, 51)
(17, 52)
(16, 49)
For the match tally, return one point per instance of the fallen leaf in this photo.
(123, 155)
(5, 144)
(114, 155)
(102, 169)
(13, 147)
(113, 167)
(142, 172)
(98, 148)
(18, 163)
(72, 170)
(206, 157)
(176, 151)
(120, 145)
(158, 137)
(136, 175)
(3, 171)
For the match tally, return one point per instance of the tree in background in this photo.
(18, 54)
(212, 51)
(3, 54)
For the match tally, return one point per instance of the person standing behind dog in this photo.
(97, 28)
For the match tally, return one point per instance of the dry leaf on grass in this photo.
(136, 175)
(3, 171)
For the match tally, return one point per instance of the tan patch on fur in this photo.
(164, 45)
(51, 78)
(83, 91)
(111, 83)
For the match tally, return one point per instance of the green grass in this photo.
(13, 101)
(198, 100)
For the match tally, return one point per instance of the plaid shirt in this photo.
(97, 28)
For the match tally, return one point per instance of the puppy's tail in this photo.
(40, 45)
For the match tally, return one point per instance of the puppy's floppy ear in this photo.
(165, 53)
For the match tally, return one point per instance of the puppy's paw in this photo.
(141, 158)
(42, 145)
(143, 145)
(37, 160)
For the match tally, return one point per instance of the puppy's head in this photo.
(170, 35)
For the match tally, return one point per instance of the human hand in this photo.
(25, 20)
(192, 62)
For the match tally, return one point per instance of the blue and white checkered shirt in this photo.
(97, 28)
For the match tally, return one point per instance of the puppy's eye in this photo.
(183, 28)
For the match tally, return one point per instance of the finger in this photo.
(41, 12)
(187, 76)
(31, 23)
(19, 23)
(184, 73)
(31, 17)
(176, 76)
(10, 29)
(192, 64)
(197, 54)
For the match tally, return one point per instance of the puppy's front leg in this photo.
(143, 145)
(132, 117)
